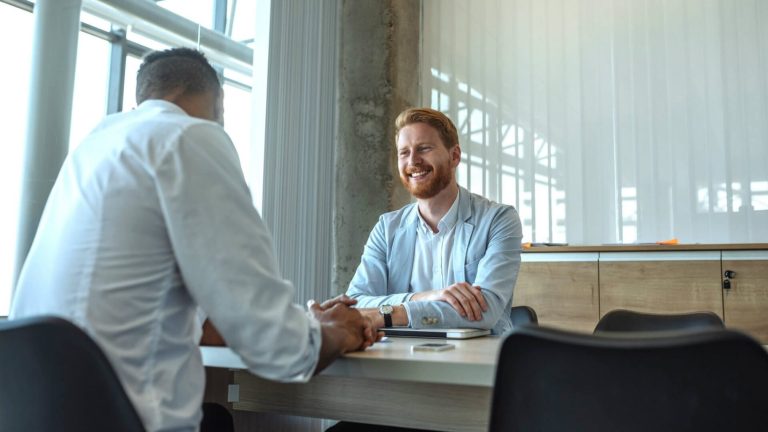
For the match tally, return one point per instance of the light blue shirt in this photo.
(486, 253)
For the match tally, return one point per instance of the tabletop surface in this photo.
(470, 362)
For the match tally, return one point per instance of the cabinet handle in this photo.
(727, 276)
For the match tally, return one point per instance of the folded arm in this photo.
(493, 278)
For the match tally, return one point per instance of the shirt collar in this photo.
(446, 223)
(160, 104)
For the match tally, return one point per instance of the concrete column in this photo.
(378, 77)
(52, 82)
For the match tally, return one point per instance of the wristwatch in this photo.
(386, 312)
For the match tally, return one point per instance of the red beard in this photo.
(441, 178)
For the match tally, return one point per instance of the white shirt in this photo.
(150, 217)
(432, 256)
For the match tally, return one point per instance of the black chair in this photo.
(621, 320)
(523, 315)
(551, 380)
(53, 377)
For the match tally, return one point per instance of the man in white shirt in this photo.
(150, 219)
(451, 258)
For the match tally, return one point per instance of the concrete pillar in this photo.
(52, 83)
(378, 77)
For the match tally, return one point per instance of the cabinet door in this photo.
(561, 288)
(661, 282)
(746, 302)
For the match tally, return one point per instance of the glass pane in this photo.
(145, 41)
(129, 86)
(199, 11)
(91, 80)
(237, 76)
(237, 123)
(16, 44)
(244, 20)
(95, 21)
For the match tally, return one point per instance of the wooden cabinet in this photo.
(661, 282)
(746, 302)
(562, 288)
(572, 287)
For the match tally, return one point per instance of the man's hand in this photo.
(341, 299)
(468, 300)
(371, 335)
(344, 329)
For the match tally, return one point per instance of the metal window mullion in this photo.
(116, 84)
(219, 23)
(21, 4)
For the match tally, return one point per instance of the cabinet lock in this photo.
(727, 276)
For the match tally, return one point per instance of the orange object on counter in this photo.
(672, 241)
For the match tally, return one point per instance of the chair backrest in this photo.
(53, 377)
(621, 320)
(523, 315)
(550, 380)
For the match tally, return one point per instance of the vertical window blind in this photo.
(609, 121)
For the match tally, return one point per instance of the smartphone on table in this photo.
(432, 346)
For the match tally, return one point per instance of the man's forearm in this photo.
(440, 314)
(399, 316)
(366, 300)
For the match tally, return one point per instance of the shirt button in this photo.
(429, 320)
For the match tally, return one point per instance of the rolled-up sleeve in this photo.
(225, 257)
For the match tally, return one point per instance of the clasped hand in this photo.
(468, 300)
(354, 330)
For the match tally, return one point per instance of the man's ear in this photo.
(455, 155)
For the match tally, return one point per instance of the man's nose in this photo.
(414, 159)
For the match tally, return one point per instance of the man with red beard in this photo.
(451, 258)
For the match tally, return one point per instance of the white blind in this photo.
(299, 142)
(609, 120)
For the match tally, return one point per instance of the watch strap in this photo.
(387, 320)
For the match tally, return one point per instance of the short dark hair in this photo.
(434, 118)
(165, 71)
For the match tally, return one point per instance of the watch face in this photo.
(385, 309)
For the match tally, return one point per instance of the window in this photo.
(15, 44)
(91, 79)
(132, 64)
(237, 119)
(91, 93)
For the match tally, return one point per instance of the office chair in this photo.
(551, 380)
(621, 320)
(523, 315)
(53, 377)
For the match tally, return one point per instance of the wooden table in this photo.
(387, 384)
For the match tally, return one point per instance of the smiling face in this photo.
(426, 166)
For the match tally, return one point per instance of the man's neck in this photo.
(433, 209)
